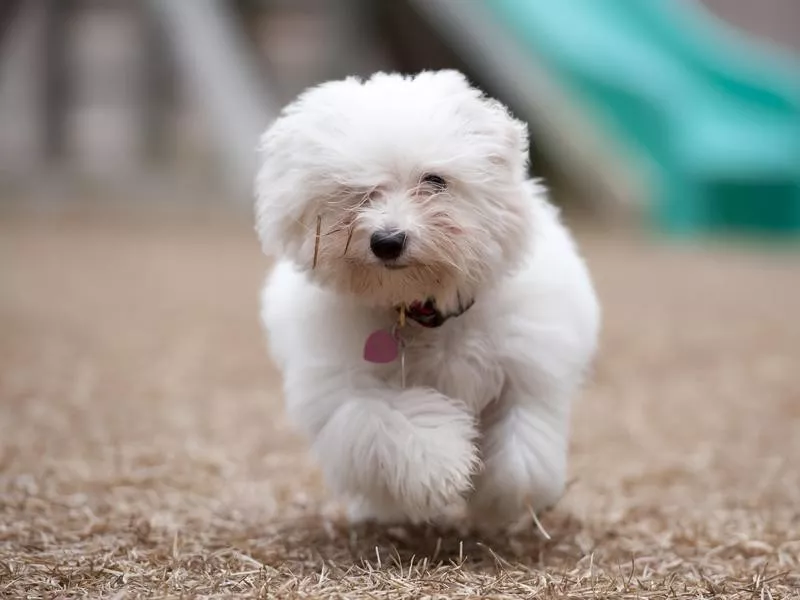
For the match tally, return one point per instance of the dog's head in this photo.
(416, 185)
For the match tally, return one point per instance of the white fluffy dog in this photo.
(428, 310)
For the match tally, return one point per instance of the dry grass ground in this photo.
(144, 451)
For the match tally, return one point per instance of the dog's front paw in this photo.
(436, 478)
(414, 453)
(437, 456)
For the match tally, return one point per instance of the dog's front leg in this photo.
(524, 449)
(408, 453)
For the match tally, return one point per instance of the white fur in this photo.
(483, 421)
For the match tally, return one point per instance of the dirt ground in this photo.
(144, 451)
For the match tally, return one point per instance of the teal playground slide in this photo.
(716, 117)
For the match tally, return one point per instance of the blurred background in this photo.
(687, 113)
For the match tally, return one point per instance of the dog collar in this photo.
(428, 315)
(384, 346)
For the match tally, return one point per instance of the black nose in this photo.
(387, 245)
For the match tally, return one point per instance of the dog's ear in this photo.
(513, 149)
(514, 141)
(278, 205)
(288, 184)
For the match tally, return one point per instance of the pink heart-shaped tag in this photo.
(380, 347)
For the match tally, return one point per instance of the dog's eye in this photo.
(437, 181)
(370, 195)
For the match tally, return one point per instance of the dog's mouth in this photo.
(388, 265)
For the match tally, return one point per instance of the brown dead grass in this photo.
(144, 451)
